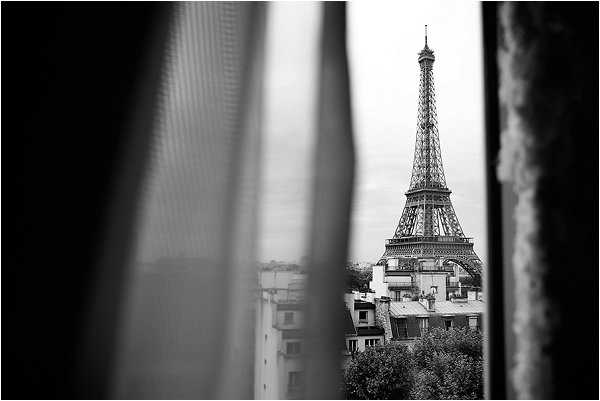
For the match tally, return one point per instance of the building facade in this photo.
(405, 322)
(407, 279)
(361, 329)
(279, 362)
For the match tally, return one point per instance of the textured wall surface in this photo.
(382, 317)
(548, 61)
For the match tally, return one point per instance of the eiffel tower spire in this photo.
(429, 227)
(428, 171)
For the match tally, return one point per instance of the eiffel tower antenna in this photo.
(429, 227)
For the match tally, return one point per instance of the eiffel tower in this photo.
(429, 228)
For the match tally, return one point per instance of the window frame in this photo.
(287, 314)
(423, 322)
(402, 326)
(294, 346)
(294, 385)
(470, 319)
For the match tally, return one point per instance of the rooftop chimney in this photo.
(428, 301)
(382, 316)
(431, 304)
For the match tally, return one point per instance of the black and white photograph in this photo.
(290, 200)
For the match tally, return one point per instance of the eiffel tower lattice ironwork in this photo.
(429, 227)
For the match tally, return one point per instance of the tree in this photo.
(382, 372)
(441, 365)
(448, 365)
(357, 279)
(471, 281)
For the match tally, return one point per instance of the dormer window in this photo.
(363, 316)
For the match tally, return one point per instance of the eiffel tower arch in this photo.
(429, 227)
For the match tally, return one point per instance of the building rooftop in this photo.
(449, 307)
(398, 308)
(414, 308)
(349, 329)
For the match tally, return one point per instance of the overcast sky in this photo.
(384, 39)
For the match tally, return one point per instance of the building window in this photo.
(288, 318)
(423, 324)
(352, 345)
(448, 324)
(293, 347)
(473, 322)
(399, 328)
(295, 381)
(362, 316)
(397, 295)
(371, 342)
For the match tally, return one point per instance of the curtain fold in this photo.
(188, 324)
(331, 206)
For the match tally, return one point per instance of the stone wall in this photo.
(382, 317)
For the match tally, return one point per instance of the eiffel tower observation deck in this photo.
(429, 228)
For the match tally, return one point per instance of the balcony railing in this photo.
(400, 272)
(290, 296)
(393, 284)
(436, 239)
(445, 269)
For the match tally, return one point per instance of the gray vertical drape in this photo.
(331, 207)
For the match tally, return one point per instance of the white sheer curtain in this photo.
(189, 322)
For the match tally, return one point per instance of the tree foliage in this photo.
(357, 279)
(379, 373)
(471, 281)
(448, 365)
(461, 340)
(441, 365)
